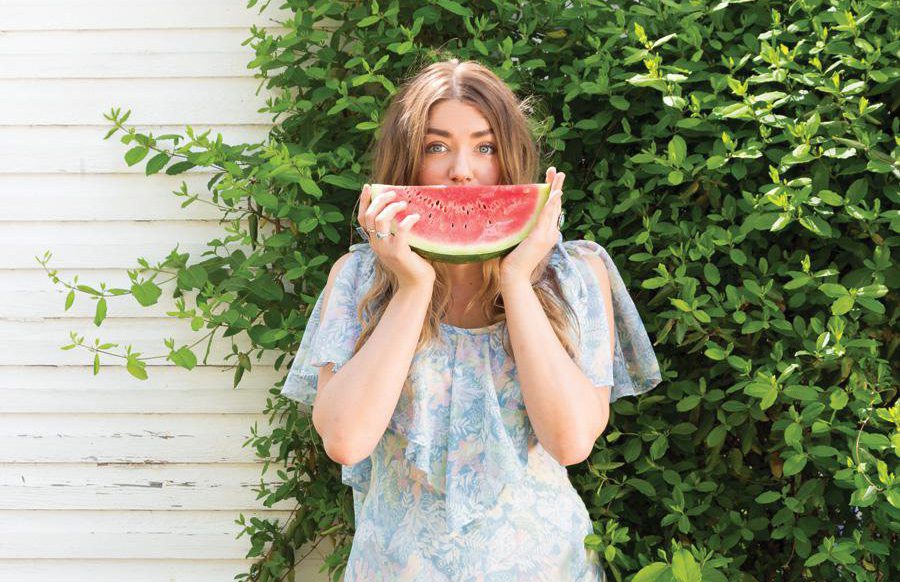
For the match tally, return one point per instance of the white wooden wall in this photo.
(107, 477)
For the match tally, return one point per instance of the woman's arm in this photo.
(567, 411)
(353, 407)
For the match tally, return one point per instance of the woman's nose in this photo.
(461, 170)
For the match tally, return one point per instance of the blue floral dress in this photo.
(458, 488)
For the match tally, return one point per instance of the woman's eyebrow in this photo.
(447, 133)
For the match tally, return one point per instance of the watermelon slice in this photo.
(466, 224)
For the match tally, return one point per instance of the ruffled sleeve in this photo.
(633, 368)
(330, 338)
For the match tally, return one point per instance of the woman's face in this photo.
(460, 148)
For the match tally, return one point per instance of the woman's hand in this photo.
(409, 268)
(529, 253)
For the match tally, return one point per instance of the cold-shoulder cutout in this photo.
(330, 338)
(633, 368)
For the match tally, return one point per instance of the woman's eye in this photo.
(492, 148)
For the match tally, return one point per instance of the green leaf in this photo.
(619, 102)
(864, 497)
(714, 162)
(768, 497)
(342, 181)
(838, 399)
(830, 198)
(816, 225)
(100, 311)
(265, 198)
(793, 435)
(711, 273)
(179, 167)
(368, 21)
(815, 559)
(716, 436)
(684, 567)
(659, 447)
(157, 163)
(309, 186)
(677, 150)
(194, 277)
(877, 290)
(843, 305)
(643, 486)
(136, 154)
(146, 293)
(794, 464)
(688, 403)
(833, 290)
(70, 298)
(136, 368)
(454, 7)
(184, 358)
(879, 166)
(651, 572)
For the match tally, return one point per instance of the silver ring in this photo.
(562, 216)
(381, 235)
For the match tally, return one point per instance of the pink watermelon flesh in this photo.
(465, 224)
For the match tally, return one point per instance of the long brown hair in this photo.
(397, 156)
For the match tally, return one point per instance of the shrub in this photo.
(737, 159)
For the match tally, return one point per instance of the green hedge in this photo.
(739, 160)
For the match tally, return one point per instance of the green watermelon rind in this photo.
(469, 253)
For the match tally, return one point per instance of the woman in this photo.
(455, 395)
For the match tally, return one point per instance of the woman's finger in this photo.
(558, 180)
(404, 226)
(364, 200)
(376, 207)
(383, 220)
(549, 210)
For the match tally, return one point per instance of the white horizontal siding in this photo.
(82, 151)
(57, 197)
(105, 244)
(136, 534)
(210, 487)
(154, 101)
(63, 389)
(100, 15)
(107, 477)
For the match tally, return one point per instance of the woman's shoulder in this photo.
(583, 247)
(568, 253)
(353, 269)
(357, 253)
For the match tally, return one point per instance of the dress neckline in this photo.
(473, 330)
